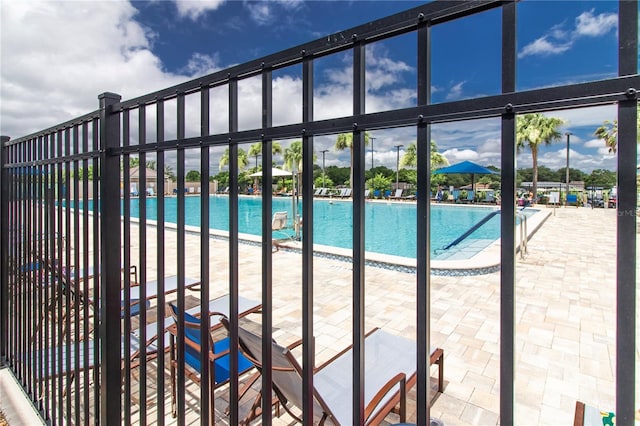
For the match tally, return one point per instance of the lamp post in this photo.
(323, 151)
(397, 164)
(568, 134)
(371, 138)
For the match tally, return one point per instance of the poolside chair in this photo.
(219, 359)
(587, 415)
(390, 364)
(397, 195)
(471, 196)
(279, 225)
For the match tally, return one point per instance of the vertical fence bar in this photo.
(233, 256)
(423, 226)
(97, 279)
(4, 250)
(507, 221)
(65, 274)
(160, 257)
(142, 263)
(507, 256)
(308, 348)
(57, 278)
(29, 255)
(126, 257)
(181, 261)
(79, 297)
(267, 207)
(24, 258)
(85, 268)
(36, 330)
(207, 414)
(626, 277)
(110, 354)
(358, 142)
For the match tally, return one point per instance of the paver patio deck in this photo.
(565, 318)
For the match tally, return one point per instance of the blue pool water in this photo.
(390, 228)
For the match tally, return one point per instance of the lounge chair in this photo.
(219, 359)
(137, 346)
(397, 195)
(587, 415)
(471, 196)
(390, 367)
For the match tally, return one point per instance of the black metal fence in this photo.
(67, 239)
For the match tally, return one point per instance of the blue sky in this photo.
(57, 56)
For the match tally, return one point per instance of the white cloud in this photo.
(202, 64)
(456, 91)
(58, 56)
(260, 12)
(558, 40)
(590, 25)
(268, 12)
(595, 143)
(543, 46)
(457, 155)
(193, 9)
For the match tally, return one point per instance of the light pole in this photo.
(397, 164)
(323, 151)
(371, 138)
(568, 134)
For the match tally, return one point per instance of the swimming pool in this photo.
(390, 228)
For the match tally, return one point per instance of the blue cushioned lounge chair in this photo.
(219, 359)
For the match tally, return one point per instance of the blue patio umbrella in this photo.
(466, 167)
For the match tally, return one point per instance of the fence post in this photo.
(4, 249)
(110, 328)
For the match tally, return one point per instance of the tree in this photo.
(410, 157)
(168, 172)
(256, 149)
(600, 177)
(339, 175)
(344, 141)
(243, 160)
(609, 133)
(193, 176)
(379, 182)
(533, 130)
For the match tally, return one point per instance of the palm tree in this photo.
(410, 157)
(293, 157)
(533, 130)
(344, 141)
(609, 133)
(256, 149)
(243, 160)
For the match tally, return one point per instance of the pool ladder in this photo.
(523, 234)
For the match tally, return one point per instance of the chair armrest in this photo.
(294, 344)
(399, 378)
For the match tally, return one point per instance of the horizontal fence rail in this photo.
(108, 319)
